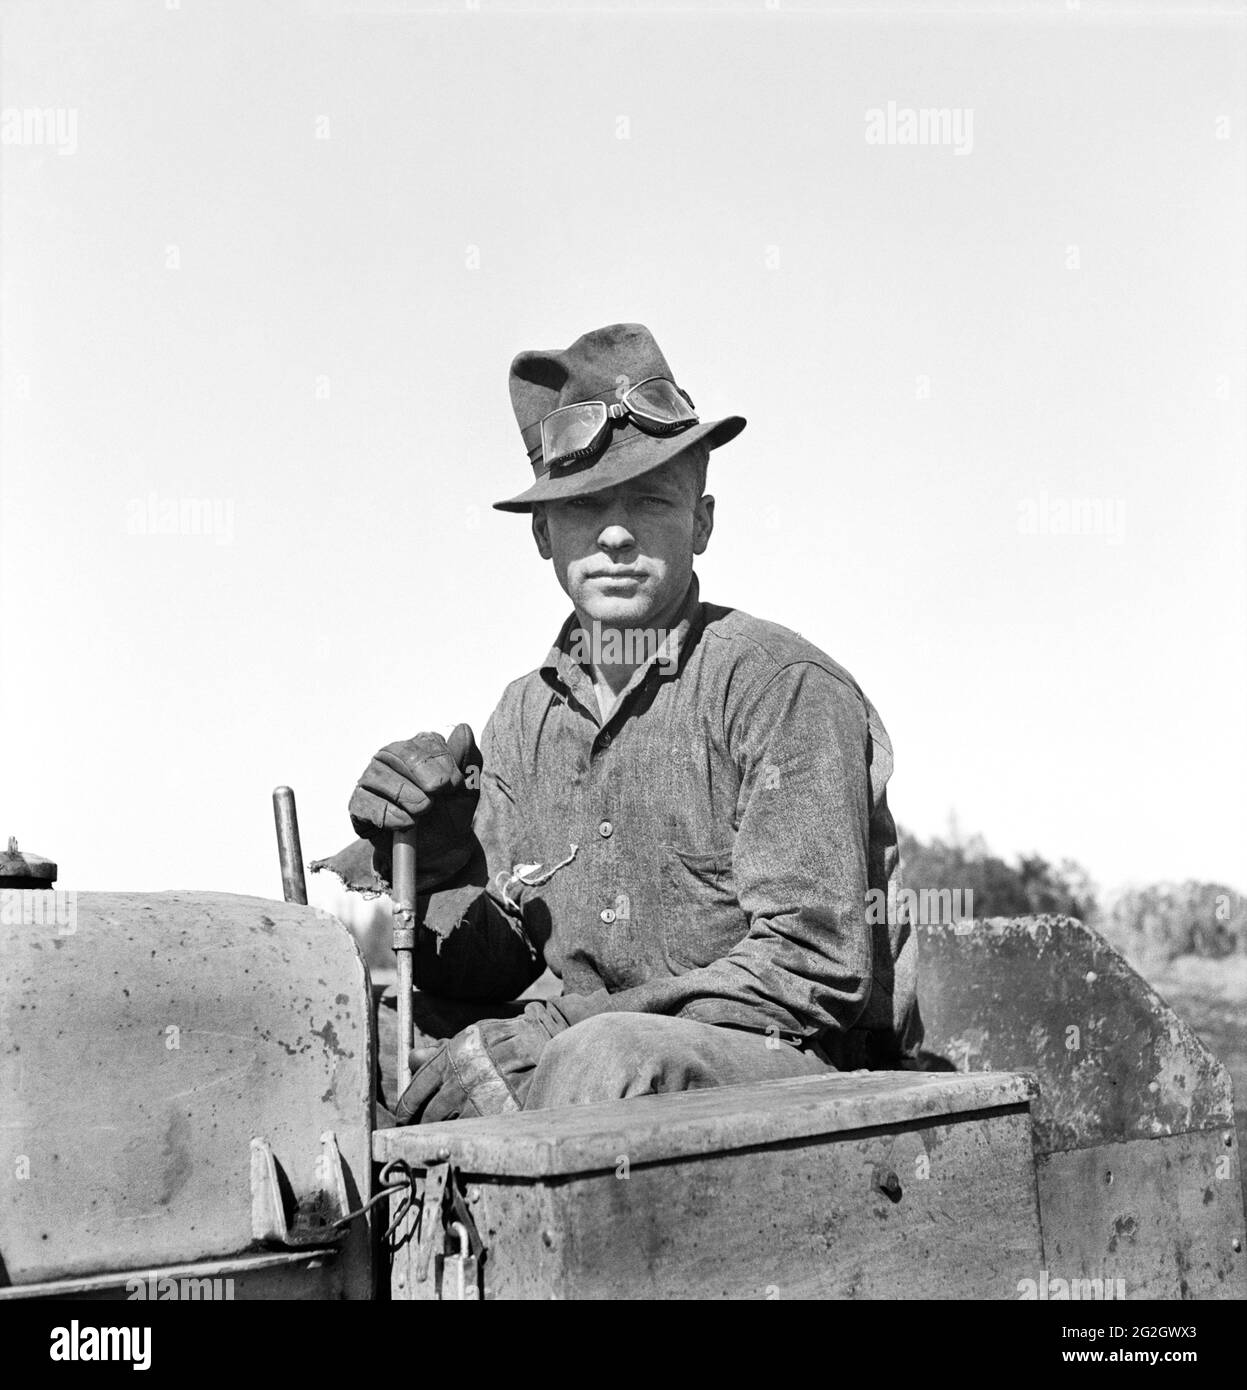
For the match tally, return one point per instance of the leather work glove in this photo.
(486, 1069)
(426, 781)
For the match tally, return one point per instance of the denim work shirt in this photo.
(706, 852)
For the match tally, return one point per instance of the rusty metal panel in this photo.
(935, 1203)
(815, 1221)
(140, 1052)
(1050, 996)
(1164, 1216)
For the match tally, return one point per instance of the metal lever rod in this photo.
(403, 871)
(289, 850)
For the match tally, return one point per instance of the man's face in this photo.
(625, 556)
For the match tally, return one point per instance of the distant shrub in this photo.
(1166, 920)
(1031, 886)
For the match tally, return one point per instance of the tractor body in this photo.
(186, 1095)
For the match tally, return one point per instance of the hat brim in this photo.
(630, 457)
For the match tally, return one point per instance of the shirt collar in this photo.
(690, 618)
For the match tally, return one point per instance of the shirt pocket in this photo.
(703, 919)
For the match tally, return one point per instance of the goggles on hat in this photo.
(573, 432)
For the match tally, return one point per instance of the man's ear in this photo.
(541, 532)
(703, 523)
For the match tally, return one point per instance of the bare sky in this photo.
(276, 260)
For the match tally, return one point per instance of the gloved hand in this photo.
(429, 782)
(486, 1069)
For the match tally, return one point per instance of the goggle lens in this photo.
(659, 402)
(572, 432)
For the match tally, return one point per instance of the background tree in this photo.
(1033, 885)
(1165, 920)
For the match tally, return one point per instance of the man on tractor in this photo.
(681, 812)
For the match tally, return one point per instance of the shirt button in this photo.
(607, 915)
(606, 738)
(606, 829)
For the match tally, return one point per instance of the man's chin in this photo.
(617, 610)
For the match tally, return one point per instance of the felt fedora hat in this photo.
(600, 366)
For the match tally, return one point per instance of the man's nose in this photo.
(616, 536)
